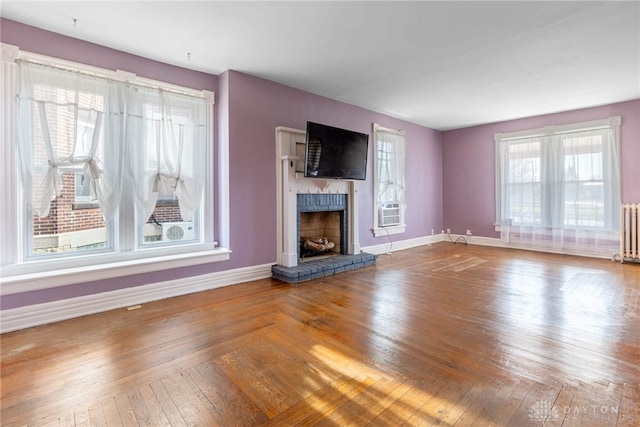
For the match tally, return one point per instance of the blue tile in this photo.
(322, 267)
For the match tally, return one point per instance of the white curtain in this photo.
(561, 191)
(167, 146)
(64, 120)
(390, 167)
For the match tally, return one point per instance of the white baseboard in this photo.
(472, 240)
(499, 243)
(399, 245)
(479, 240)
(39, 314)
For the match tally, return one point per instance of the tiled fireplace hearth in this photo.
(299, 197)
(322, 267)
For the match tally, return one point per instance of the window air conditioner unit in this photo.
(389, 215)
(177, 231)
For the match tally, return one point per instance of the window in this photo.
(168, 166)
(523, 187)
(62, 122)
(112, 172)
(584, 169)
(389, 181)
(82, 187)
(559, 187)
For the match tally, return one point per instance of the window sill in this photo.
(30, 276)
(78, 205)
(386, 231)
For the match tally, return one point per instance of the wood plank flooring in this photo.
(440, 335)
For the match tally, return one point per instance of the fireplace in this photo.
(298, 196)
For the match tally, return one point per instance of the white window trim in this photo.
(121, 264)
(613, 122)
(18, 276)
(377, 230)
(9, 216)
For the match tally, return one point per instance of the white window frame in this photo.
(611, 122)
(377, 229)
(18, 275)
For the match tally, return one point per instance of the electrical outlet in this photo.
(432, 232)
(468, 232)
(448, 231)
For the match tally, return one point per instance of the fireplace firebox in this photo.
(322, 215)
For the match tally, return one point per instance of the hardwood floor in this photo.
(442, 335)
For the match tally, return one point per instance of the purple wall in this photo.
(248, 109)
(469, 156)
(35, 40)
(258, 106)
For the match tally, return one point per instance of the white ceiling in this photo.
(444, 65)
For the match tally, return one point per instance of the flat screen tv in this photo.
(334, 153)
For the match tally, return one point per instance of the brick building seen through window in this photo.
(76, 223)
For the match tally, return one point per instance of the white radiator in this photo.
(629, 228)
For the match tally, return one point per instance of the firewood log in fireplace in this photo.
(318, 244)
